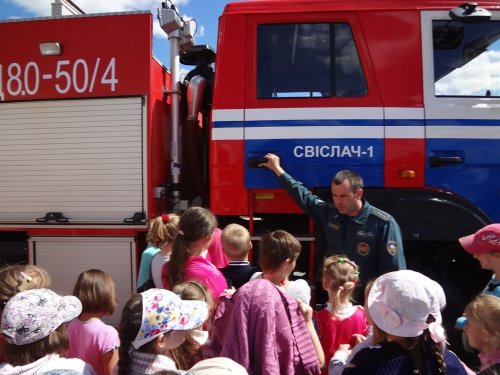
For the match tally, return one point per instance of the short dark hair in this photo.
(276, 247)
(354, 179)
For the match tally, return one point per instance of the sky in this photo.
(205, 12)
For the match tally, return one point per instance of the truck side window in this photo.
(308, 60)
(466, 58)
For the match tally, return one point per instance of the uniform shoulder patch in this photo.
(392, 247)
(381, 214)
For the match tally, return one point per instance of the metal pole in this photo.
(174, 39)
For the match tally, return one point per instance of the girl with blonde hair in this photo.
(483, 331)
(340, 321)
(162, 231)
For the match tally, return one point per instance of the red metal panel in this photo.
(395, 52)
(106, 55)
(404, 155)
(227, 193)
(229, 201)
(158, 136)
(82, 232)
(229, 68)
(300, 6)
(272, 201)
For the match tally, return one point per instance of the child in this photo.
(195, 291)
(19, 277)
(406, 306)
(484, 245)
(90, 339)
(155, 238)
(266, 331)
(35, 333)
(161, 234)
(190, 352)
(152, 324)
(278, 255)
(483, 331)
(340, 320)
(235, 240)
(15, 279)
(188, 262)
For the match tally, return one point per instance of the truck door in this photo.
(311, 98)
(462, 107)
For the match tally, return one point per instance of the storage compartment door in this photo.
(83, 158)
(66, 257)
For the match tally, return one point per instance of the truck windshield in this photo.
(466, 58)
(314, 60)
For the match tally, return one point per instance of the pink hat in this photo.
(483, 241)
(400, 302)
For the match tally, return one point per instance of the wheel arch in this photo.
(429, 214)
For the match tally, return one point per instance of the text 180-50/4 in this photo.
(17, 80)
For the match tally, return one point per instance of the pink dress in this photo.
(90, 340)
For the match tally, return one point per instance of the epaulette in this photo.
(381, 214)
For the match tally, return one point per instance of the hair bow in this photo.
(165, 218)
(437, 332)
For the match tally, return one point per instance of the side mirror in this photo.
(470, 13)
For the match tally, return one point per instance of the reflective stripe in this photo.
(351, 123)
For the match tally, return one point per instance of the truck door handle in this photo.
(253, 162)
(437, 161)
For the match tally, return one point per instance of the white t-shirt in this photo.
(299, 288)
(48, 363)
(156, 266)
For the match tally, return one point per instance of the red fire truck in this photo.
(96, 137)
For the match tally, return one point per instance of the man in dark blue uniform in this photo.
(351, 226)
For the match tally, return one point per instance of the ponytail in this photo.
(424, 345)
(178, 258)
(195, 223)
(343, 275)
